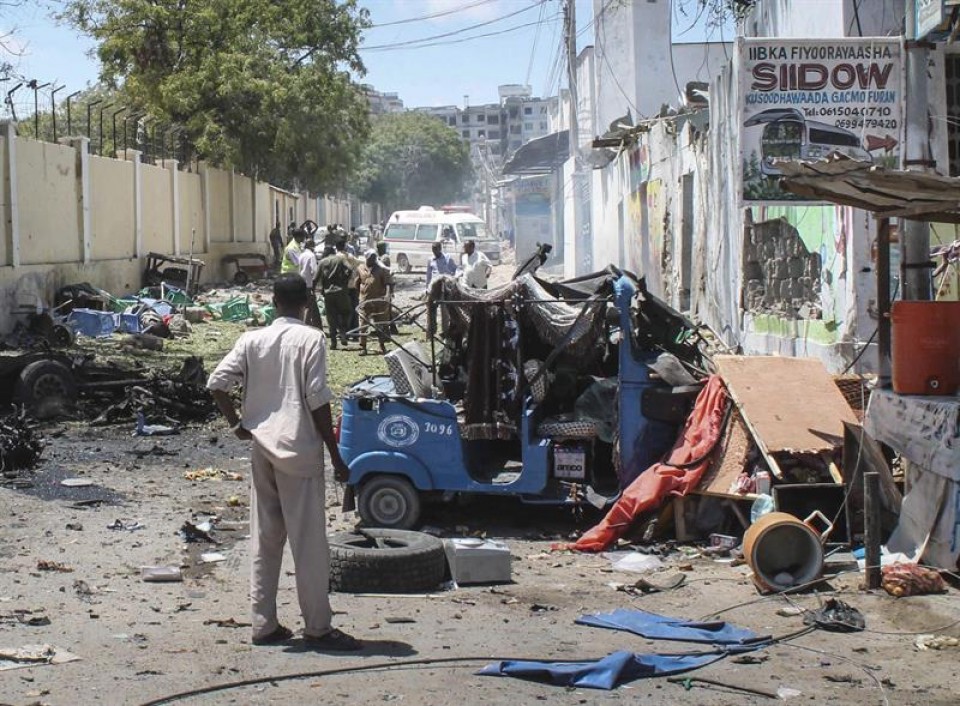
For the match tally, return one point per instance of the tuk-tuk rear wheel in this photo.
(389, 501)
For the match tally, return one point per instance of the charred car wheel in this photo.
(385, 561)
(389, 501)
(44, 385)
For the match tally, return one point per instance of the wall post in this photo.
(233, 207)
(173, 166)
(135, 157)
(11, 135)
(205, 204)
(82, 146)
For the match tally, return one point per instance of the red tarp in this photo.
(692, 452)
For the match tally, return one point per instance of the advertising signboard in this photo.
(805, 99)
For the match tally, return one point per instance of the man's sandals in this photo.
(333, 641)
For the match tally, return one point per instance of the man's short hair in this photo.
(299, 234)
(341, 244)
(290, 290)
(471, 243)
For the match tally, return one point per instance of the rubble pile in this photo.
(20, 444)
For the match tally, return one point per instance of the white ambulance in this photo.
(410, 235)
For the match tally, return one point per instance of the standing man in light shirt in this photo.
(474, 266)
(308, 270)
(286, 414)
(440, 264)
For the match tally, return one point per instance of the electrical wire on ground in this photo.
(405, 664)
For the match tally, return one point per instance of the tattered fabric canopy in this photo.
(887, 193)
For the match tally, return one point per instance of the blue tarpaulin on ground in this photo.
(662, 627)
(624, 666)
(606, 673)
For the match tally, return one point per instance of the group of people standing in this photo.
(474, 267)
(356, 291)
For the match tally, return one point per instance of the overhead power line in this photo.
(434, 15)
(405, 46)
(422, 40)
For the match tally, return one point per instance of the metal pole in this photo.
(100, 137)
(69, 121)
(53, 109)
(570, 16)
(883, 300)
(915, 265)
(36, 106)
(13, 109)
(90, 115)
(871, 521)
(113, 119)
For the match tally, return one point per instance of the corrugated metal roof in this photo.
(887, 193)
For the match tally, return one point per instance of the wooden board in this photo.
(729, 462)
(791, 405)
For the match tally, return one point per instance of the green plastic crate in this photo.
(236, 309)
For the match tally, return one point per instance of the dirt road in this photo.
(138, 641)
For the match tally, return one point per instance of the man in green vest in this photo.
(291, 254)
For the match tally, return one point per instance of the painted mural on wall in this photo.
(806, 99)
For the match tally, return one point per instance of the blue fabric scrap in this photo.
(616, 668)
(662, 627)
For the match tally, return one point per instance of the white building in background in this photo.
(382, 102)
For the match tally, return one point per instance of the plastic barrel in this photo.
(926, 347)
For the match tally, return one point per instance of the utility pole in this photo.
(915, 263)
(570, 25)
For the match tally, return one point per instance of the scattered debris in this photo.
(161, 574)
(226, 623)
(211, 473)
(144, 429)
(155, 450)
(25, 616)
(127, 525)
(33, 656)
(635, 562)
(74, 526)
(399, 620)
(20, 444)
(212, 557)
(689, 682)
(936, 642)
(644, 586)
(44, 565)
(76, 482)
(902, 579)
(542, 608)
(191, 533)
(751, 658)
(835, 616)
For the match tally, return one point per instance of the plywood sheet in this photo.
(789, 404)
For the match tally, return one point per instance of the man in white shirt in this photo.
(308, 270)
(286, 413)
(475, 268)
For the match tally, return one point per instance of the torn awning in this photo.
(887, 193)
(540, 156)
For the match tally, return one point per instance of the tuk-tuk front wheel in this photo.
(389, 501)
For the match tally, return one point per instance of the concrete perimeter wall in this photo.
(70, 216)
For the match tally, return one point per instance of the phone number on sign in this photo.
(873, 111)
(868, 123)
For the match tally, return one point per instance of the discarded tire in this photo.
(385, 561)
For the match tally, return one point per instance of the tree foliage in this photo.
(412, 159)
(261, 85)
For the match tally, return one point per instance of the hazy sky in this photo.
(522, 47)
